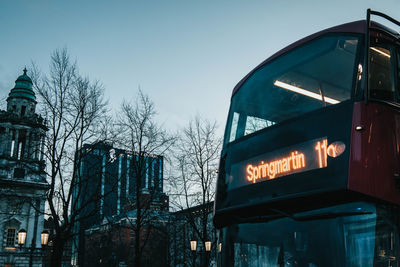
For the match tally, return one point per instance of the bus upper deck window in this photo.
(381, 73)
(254, 124)
(234, 126)
(312, 76)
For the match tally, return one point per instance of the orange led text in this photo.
(275, 168)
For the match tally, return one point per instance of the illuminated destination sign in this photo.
(302, 157)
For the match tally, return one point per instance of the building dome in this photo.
(23, 88)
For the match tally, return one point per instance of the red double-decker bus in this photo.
(310, 167)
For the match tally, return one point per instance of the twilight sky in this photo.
(186, 55)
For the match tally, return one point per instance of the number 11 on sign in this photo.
(321, 149)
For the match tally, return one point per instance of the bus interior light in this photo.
(305, 92)
(380, 52)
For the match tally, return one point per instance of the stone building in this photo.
(187, 225)
(22, 178)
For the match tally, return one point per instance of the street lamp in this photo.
(193, 247)
(44, 238)
(21, 237)
(208, 246)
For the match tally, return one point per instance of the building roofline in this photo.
(193, 209)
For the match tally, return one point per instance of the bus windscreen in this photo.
(315, 75)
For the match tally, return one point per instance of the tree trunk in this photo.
(137, 247)
(138, 225)
(57, 252)
(205, 233)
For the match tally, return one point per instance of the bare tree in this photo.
(73, 107)
(197, 161)
(144, 140)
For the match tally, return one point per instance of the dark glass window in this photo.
(19, 173)
(317, 74)
(381, 71)
(23, 109)
(355, 234)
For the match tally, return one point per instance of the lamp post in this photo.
(21, 237)
(44, 239)
(44, 236)
(193, 248)
(206, 252)
(207, 246)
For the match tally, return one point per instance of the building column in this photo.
(36, 146)
(15, 151)
(31, 144)
(3, 142)
(29, 225)
(42, 146)
(27, 150)
(35, 225)
(8, 141)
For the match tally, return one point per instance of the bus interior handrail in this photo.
(380, 14)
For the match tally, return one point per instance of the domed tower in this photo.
(22, 170)
(21, 99)
(22, 132)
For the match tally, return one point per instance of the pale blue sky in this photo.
(187, 55)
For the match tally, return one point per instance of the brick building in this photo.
(108, 188)
(111, 243)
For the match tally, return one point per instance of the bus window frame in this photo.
(394, 42)
(394, 37)
(356, 91)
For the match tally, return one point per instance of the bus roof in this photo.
(351, 27)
